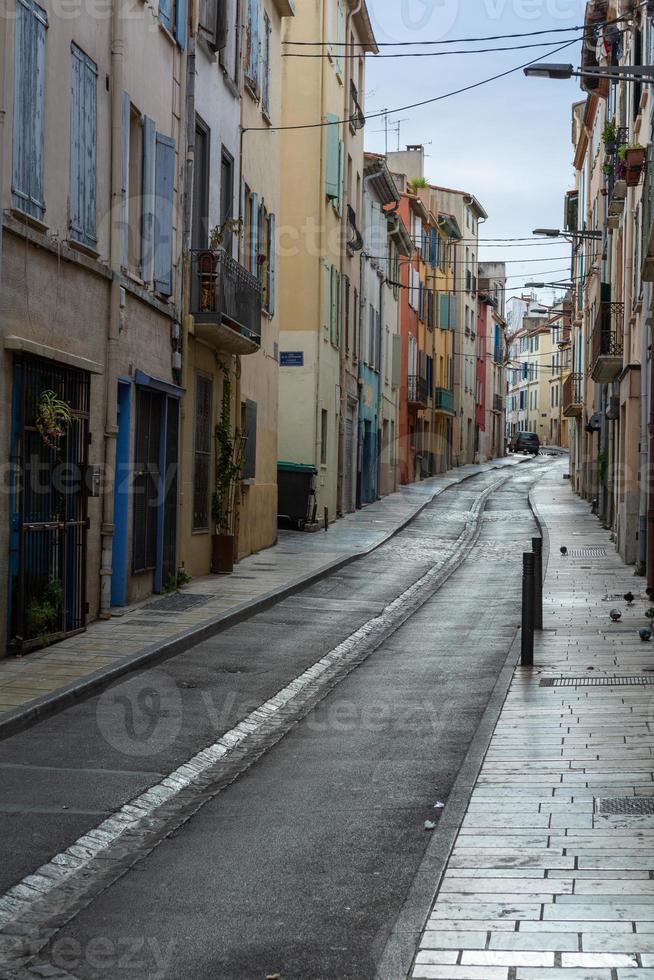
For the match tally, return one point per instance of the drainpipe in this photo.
(650, 466)
(115, 311)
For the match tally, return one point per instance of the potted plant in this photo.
(53, 417)
(633, 155)
(229, 463)
(208, 260)
(609, 136)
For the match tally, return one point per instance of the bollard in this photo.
(326, 519)
(528, 582)
(537, 547)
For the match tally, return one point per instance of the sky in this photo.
(507, 142)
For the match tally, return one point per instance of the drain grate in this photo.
(587, 553)
(636, 681)
(637, 806)
(178, 602)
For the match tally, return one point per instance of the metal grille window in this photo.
(202, 451)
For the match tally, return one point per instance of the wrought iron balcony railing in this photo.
(224, 294)
(573, 395)
(444, 400)
(418, 391)
(498, 403)
(606, 343)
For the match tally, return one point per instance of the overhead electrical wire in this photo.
(458, 40)
(438, 54)
(414, 105)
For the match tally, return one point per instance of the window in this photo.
(29, 99)
(230, 54)
(202, 451)
(201, 169)
(249, 427)
(324, 421)
(355, 325)
(227, 197)
(346, 312)
(213, 22)
(148, 175)
(265, 85)
(172, 14)
(83, 139)
(252, 46)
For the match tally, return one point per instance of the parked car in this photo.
(525, 442)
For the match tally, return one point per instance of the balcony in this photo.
(225, 302)
(418, 391)
(444, 400)
(573, 396)
(498, 403)
(606, 343)
(648, 219)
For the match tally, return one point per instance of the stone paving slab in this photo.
(33, 683)
(540, 885)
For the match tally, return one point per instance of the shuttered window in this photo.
(202, 451)
(83, 140)
(172, 14)
(250, 432)
(163, 214)
(265, 81)
(252, 46)
(332, 183)
(147, 464)
(29, 99)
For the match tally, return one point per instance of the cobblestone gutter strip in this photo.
(32, 911)
(24, 716)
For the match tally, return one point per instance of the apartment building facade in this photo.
(90, 310)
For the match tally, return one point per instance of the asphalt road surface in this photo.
(296, 856)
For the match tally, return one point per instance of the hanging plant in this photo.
(53, 417)
(609, 133)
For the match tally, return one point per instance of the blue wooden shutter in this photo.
(83, 137)
(148, 217)
(254, 234)
(180, 22)
(272, 263)
(253, 47)
(124, 188)
(333, 165)
(29, 98)
(164, 13)
(433, 246)
(163, 223)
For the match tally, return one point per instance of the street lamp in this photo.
(616, 73)
(549, 285)
(557, 233)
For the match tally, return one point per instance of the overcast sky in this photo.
(507, 142)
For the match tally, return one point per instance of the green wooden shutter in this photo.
(341, 175)
(333, 153)
(326, 298)
(272, 263)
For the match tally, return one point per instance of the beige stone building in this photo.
(319, 262)
(90, 289)
(232, 362)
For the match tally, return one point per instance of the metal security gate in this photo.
(349, 466)
(49, 456)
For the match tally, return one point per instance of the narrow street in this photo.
(292, 854)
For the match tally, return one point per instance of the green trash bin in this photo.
(296, 494)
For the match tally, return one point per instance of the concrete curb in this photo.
(400, 949)
(401, 946)
(23, 717)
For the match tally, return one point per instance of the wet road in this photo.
(295, 856)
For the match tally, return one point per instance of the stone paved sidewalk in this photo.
(542, 884)
(109, 646)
